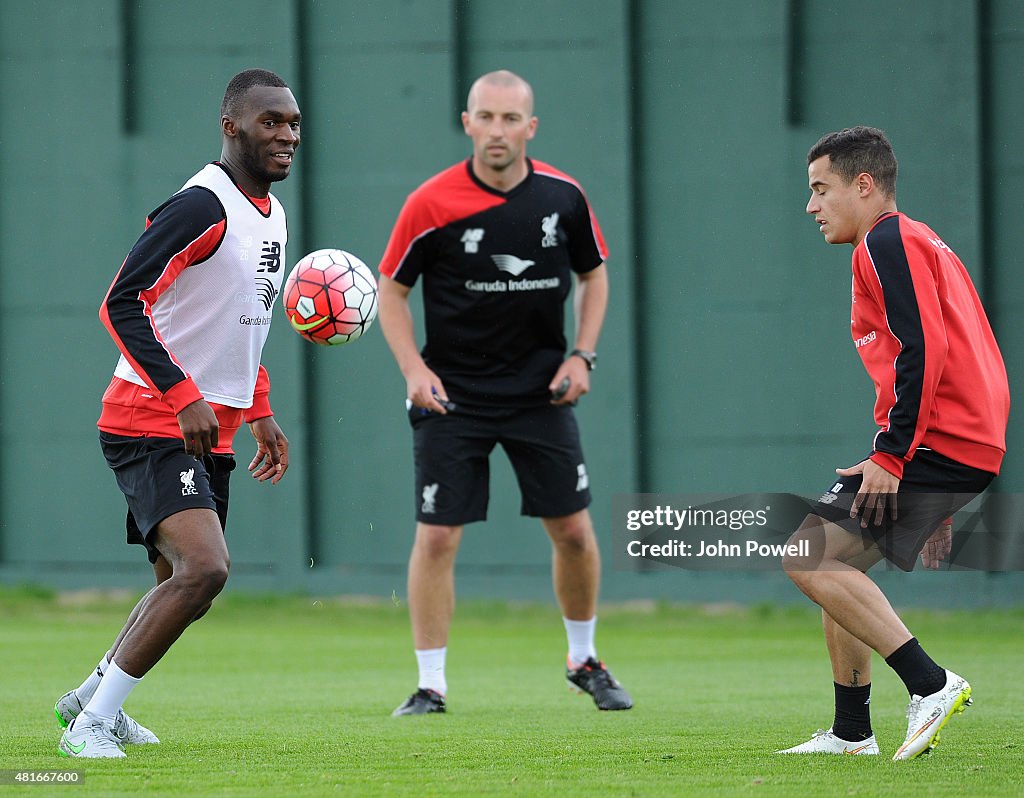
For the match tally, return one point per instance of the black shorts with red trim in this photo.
(158, 479)
(933, 488)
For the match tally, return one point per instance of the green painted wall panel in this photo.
(575, 56)
(379, 119)
(87, 187)
(727, 313)
(910, 69)
(1004, 42)
(688, 126)
(50, 245)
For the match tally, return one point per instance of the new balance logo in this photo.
(511, 264)
(429, 494)
(831, 495)
(582, 480)
(550, 227)
(472, 237)
(188, 483)
(270, 259)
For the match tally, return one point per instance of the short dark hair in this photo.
(855, 150)
(241, 83)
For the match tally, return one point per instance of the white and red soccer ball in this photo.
(330, 297)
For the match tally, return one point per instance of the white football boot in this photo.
(928, 714)
(825, 742)
(87, 738)
(127, 730)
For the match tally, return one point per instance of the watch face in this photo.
(590, 358)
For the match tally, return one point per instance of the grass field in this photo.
(291, 696)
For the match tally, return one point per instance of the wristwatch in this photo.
(590, 358)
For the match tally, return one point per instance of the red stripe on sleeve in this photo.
(541, 168)
(445, 198)
(197, 250)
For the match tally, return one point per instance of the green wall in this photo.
(726, 364)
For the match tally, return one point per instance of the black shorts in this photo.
(452, 471)
(932, 489)
(158, 480)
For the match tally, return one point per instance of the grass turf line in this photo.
(292, 696)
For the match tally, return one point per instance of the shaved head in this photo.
(505, 79)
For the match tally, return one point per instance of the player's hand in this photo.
(271, 460)
(424, 388)
(199, 428)
(575, 370)
(938, 546)
(877, 492)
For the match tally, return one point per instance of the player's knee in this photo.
(573, 539)
(799, 576)
(213, 579)
(793, 568)
(437, 540)
(796, 563)
(572, 532)
(204, 578)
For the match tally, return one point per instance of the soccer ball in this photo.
(330, 297)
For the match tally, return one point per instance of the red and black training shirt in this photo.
(924, 338)
(496, 269)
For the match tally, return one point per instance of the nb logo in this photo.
(832, 495)
(270, 259)
(472, 237)
(938, 243)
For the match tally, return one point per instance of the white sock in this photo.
(110, 695)
(431, 662)
(88, 687)
(580, 635)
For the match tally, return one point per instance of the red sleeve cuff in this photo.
(260, 408)
(890, 462)
(181, 395)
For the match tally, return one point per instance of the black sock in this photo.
(853, 713)
(917, 670)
